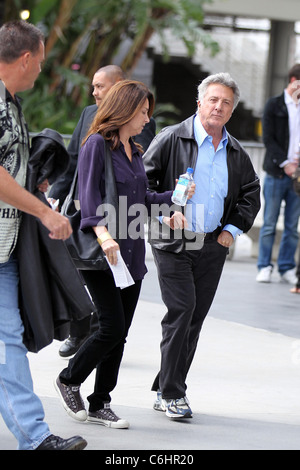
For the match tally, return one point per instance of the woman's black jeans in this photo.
(104, 349)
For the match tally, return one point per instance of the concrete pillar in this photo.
(281, 55)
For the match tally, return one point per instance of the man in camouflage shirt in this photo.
(14, 154)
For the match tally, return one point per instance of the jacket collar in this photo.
(186, 131)
(232, 142)
(186, 128)
(281, 103)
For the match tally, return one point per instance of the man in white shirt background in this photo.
(281, 136)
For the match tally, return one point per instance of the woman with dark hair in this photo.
(123, 113)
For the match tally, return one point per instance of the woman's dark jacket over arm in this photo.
(173, 150)
(51, 291)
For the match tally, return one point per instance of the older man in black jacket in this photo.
(225, 204)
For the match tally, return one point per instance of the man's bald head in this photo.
(104, 79)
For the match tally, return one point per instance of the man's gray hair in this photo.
(221, 79)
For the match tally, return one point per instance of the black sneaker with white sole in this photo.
(71, 400)
(57, 443)
(106, 417)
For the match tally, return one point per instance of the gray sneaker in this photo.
(106, 417)
(174, 409)
(71, 400)
(158, 404)
(178, 409)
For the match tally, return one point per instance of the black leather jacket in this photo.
(276, 135)
(174, 149)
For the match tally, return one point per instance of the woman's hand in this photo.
(108, 244)
(177, 221)
(110, 248)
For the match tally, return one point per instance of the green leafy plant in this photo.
(83, 35)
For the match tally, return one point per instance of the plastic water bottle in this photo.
(180, 193)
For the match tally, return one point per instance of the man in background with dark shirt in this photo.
(281, 136)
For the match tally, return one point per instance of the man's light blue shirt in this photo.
(205, 209)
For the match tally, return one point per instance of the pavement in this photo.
(243, 385)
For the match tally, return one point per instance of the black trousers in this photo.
(83, 328)
(104, 349)
(188, 282)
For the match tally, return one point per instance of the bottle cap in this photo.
(190, 170)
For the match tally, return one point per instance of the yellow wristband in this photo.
(103, 237)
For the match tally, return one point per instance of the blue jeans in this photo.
(20, 408)
(277, 190)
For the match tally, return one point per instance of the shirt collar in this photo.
(135, 150)
(7, 97)
(288, 99)
(201, 134)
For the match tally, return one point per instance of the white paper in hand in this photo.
(121, 274)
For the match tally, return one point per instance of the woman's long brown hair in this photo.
(122, 102)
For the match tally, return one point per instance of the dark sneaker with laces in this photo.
(57, 443)
(106, 417)
(71, 400)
